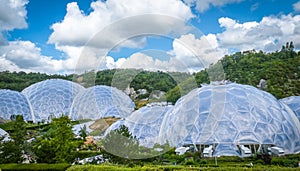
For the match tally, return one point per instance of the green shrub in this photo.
(277, 161)
(259, 161)
(34, 167)
(203, 162)
(189, 162)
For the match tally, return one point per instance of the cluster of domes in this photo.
(225, 116)
(55, 97)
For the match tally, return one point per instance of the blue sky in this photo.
(55, 36)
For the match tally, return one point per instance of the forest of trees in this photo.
(280, 69)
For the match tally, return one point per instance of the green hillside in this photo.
(280, 69)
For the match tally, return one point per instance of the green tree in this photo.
(121, 146)
(57, 145)
(83, 132)
(12, 150)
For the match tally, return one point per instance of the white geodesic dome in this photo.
(4, 134)
(294, 103)
(51, 98)
(144, 123)
(101, 101)
(229, 115)
(14, 103)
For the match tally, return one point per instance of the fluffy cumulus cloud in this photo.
(12, 15)
(143, 61)
(20, 55)
(111, 22)
(203, 5)
(106, 13)
(197, 53)
(25, 56)
(296, 6)
(268, 35)
(86, 38)
(189, 54)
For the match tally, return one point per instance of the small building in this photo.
(276, 151)
(245, 151)
(208, 151)
(181, 150)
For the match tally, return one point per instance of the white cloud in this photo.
(296, 6)
(24, 55)
(6, 65)
(114, 23)
(203, 5)
(189, 54)
(12, 15)
(77, 28)
(143, 61)
(268, 35)
(197, 53)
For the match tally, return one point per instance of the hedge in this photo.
(34, 167)
(173, 168)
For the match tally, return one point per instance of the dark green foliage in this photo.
(35, 167)
(57, 145)
(20, 80)
(120, 146)
(83, 132)
(19, 133)
(280, 69)
(11, 151)
(285, 162)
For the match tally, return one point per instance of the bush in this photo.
(34, 167)
(259, 161)
(285, 162)
(189, 162)
(202, 162)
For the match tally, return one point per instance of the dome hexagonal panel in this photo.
(144, 123)
(4, 134)
(230, 114)
(51, 98)
(101, 101)
(294, 103)
(14, 103)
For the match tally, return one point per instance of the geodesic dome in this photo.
(144, 123)
(294, 103)
(4, 134)
(101, 101)
(229, 115)
(51, 98)
(14, 103)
